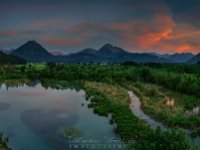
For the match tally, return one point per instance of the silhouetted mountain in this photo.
(181, 57)
(143, 58)
(4, 51)
(159, 55)
(86, 55)
(10, 59)
(33, 52)
(110, 51)
(195, 59)
(115, 54)
(7, 51)
(175, 58)
(88, 51)
(112, 54)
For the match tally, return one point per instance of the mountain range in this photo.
(195, 59)
(34, 52)
(111, 54)
(177, 57)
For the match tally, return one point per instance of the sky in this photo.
(163, 26)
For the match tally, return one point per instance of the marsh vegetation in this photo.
(167, 92)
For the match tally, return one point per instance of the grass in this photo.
(68, 132)
(4, 143)
(153, 96)
(112, 99)
(118, 94)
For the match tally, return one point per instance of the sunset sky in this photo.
(165, 26)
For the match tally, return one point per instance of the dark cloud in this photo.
(145, 25)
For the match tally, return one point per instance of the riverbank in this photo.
(154, 102)
(4, 142)
(102, 86)
(135, 106)
(113, 99)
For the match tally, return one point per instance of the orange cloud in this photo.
(184, 38)
(185, 31)
(145, 33)
(184, 48)
(161, 34)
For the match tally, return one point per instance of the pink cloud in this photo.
(78, 40)
(160, 33)
(9, 33)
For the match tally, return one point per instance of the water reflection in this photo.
(34, 113)
(48, 120)
(4, 106)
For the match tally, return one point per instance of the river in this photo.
(135, 107)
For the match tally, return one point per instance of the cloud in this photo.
(183, 48)
(184, 38)
(14, 33)
(72, 41)
(161, 34)
(87, 27)
(55, 22)
(142, 34)
(9, 33)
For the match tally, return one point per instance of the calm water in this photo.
(34, 116)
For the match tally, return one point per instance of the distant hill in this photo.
(86, 55)
(88, 51)
(112, 54)
(7, 51)
(10, 59)
(33, 52)
(181, 57)
(175, 58)
(108, 51)
(159, 55)
(195, 59)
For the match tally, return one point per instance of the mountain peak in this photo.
(33, 51)
(108, 45)
(195, 59)
(88, 51)
(108, 48)
(32, 43)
